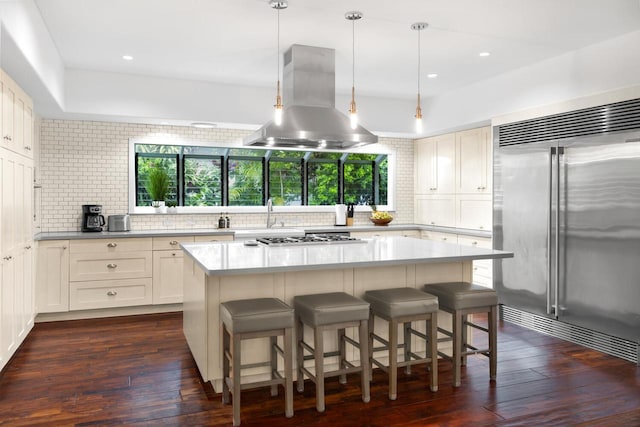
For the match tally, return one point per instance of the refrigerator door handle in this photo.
(559, 160)
(552, 155)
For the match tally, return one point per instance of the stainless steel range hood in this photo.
(310, 119)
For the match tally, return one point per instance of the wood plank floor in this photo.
(138, 371)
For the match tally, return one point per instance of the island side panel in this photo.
(195, 320)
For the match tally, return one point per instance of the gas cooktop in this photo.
(309, 239)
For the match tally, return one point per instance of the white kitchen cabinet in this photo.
(8, 101)
(437, 210)
(52, 276)
(213, 238)
(97, 294)
(435, 165)
(384, 232)
(473, 161)
(474, 212)
(9, 312)
(438, 236)
(482, 269)
(167, 276)
(168, 268)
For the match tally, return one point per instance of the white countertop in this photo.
(233, 257)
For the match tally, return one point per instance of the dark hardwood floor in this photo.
(138, 371)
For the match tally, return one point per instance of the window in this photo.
(205, 176)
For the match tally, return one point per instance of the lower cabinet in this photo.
(167, 276)
(110, 293)
(88, 274)
(52, 276)
(482, 269)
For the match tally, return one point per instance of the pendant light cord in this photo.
(353, 53)
(278, 51)
(419, 51)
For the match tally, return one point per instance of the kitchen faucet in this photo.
(269, 210)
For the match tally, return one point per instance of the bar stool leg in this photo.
(288, 372)
(318, 343)
(493, 342)
(393, 359)
(433, 350)
(273, 341)
(457, 347)
(235, 365)
(407, 346)
(465, 338)
(371, 324)
(225, 364)
(300, 354)
(342, 348)
(363, 335)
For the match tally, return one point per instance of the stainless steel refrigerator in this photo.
(569, 209)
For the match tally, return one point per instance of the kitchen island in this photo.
(222, 271)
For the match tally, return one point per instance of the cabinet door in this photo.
(167, 276)
(474, 212)
(7, 228)
(9, 311)
(436, 210)
(52, 276)
(482, 269)
(435, 165)
(474, 161)
(27, 140)
(28, 276)
(8, 100)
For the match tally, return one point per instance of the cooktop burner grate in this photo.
(309, 240)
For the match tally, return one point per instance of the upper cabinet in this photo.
(435, 165)
(453, 180)
(17, 118)
(473, 168)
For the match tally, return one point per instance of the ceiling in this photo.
(234, 41)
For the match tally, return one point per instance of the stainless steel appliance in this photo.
(119, 223)
(310, 239)
(92, 220)
(567, 203)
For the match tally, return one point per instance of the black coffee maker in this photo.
(92, 220)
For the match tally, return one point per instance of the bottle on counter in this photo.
(227, 221)
(222, 223)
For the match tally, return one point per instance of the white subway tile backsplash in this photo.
(83, 162)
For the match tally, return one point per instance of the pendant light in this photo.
(419, 26)
(278, 107)
(353, 112)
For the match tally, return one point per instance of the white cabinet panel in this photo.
(167, 276)
(473, 171)
(110, 246)
(95, 266)
(52, 276)
(436, 210)
(435, 165)
(213, 238)
(109, 293)
(474, 212)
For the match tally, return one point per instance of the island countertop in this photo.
(234, 257)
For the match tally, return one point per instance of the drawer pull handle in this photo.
(444, 238)
(64, 248)
(433, 223)
(27, 247)
(112, 245)
(8, 257)
(7, 138)
(173, 242)
(112, 293)
(474, 243)
(112, 265)
(173, 254)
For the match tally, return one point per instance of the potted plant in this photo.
(158, 187)
(379, 217)
(172, 207)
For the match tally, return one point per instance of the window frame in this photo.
(381, 150)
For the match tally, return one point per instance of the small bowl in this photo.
(381, 221)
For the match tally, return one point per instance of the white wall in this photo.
(85, 162)
(597, 68)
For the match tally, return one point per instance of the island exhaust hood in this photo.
(310, 119)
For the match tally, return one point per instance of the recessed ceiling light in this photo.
(432, 75)
(204, 125)
(127, 57)
(484, 54)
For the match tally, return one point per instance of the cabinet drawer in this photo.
(109, 293)
(439, 236)
(110, 246)
(129, 265)
(213, 238)
(170, 243)
(478, 242)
